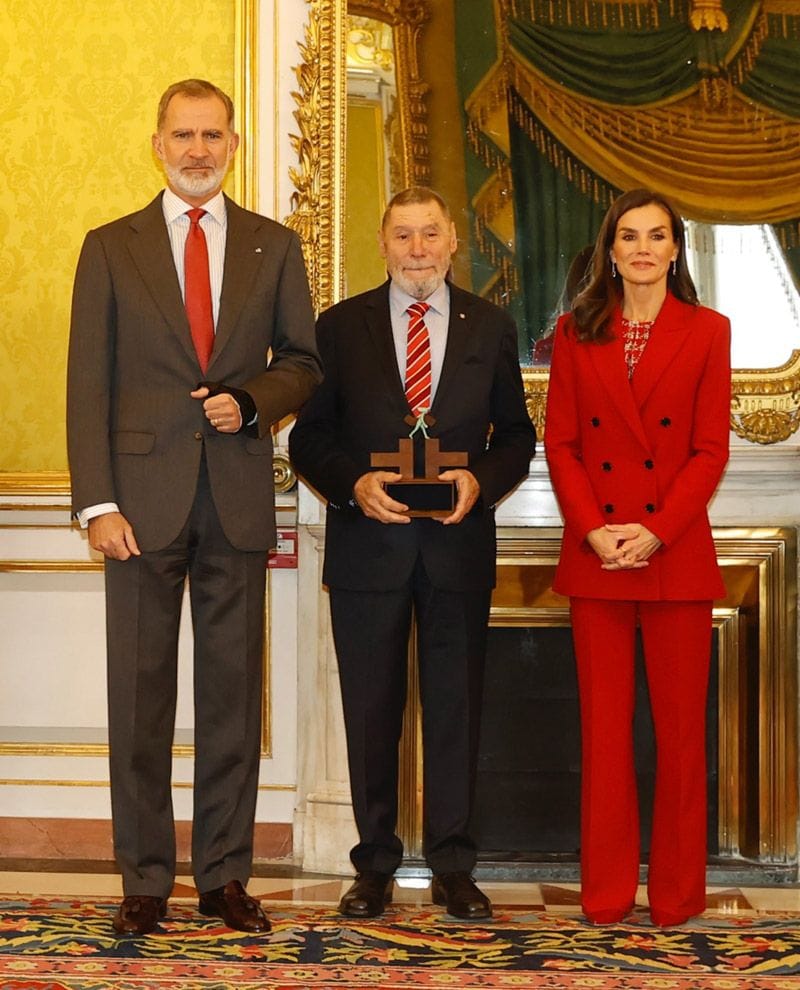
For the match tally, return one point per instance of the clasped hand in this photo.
(221, 410)
(623, 547)
(370, 493)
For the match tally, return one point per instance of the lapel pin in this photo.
(462, 316)
(258, 250)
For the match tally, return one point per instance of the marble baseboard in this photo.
(72, 839)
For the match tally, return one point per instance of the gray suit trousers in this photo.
(143, 605)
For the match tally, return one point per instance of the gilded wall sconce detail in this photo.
(708, 15)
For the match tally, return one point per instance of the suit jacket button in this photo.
(650, 507)
(609, 508)
(666, 421)
(595, 421)
(606, 465)
(198, 436)
(649, 464)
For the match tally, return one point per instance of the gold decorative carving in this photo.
(535, 382)
(765, 404)
(319, 180)
(708, 15)
(370, 45)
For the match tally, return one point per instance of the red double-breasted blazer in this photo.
(649, 450)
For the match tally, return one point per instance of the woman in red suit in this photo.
(636, 441)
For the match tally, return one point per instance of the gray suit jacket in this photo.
(135, 436)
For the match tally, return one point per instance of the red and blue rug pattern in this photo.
(59, 944)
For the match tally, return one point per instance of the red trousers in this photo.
(677, 648)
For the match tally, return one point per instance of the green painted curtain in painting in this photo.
(603, 97)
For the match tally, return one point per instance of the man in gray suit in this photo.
(179, 363)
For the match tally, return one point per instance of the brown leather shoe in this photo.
(138, 914)
(236, 908)
(368, 896)
(459, 894)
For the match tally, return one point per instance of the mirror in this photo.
(451, 64)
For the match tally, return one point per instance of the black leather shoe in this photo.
(368, 896)
(236, 908)
(458, 893)
(138, 914)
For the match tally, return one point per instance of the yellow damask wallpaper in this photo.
(79, 85)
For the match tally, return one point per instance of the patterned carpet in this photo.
(58, 944)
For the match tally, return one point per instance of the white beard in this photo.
(418, 288)
(195, 185)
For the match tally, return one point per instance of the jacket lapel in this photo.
(379, 329)
(609, 363)
(245, 247)
(152, 255)
(460, 330)
(670, 332)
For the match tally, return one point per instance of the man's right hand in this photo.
(112, 535)
(373, 501)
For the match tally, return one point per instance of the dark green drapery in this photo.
(647, 65)
(554, 221)
(775, 79)
(631, 67)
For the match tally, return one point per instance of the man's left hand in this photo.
(221, 410)
(467, 489)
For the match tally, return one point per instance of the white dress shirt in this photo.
(436, 320)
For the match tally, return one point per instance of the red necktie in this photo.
(418, 359)
(197, 289)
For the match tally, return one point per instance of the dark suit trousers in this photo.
(371, 633)
(143, 604)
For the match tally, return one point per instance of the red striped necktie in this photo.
(197, 289)
(418, 359)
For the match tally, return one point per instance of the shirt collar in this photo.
(173, 207)
(400, 300)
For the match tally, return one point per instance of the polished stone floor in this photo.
(284, 887)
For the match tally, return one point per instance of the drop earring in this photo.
(613, 268)
(674, 267)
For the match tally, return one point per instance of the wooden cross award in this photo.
(426, 496)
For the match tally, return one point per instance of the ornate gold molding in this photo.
(765, 406)
(319, 178)
(765, 402)
(708, 15)
(245, 99)
(535, 381)
(34, 483)
(318, 200)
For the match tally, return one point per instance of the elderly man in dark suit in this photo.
(192, 332)
(380, 563)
